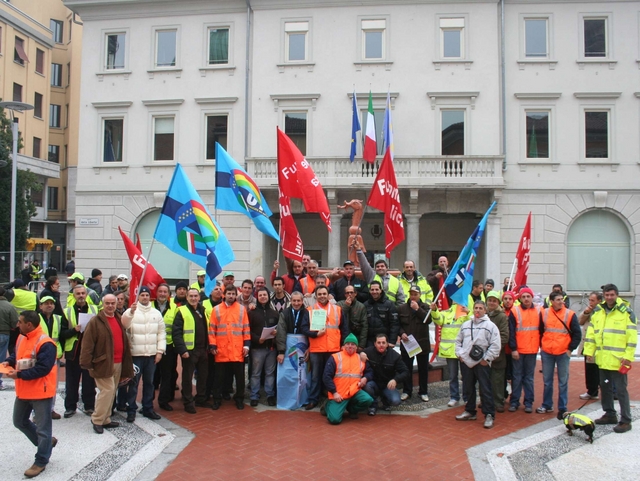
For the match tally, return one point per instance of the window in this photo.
(296, 41)
(19, 55)
(537, 134)
(166, 48)
(54, 154)
(378, 117)
(39, 61)
(36, 147)
(1, 37)
(37, 105)
(217, 129)
(113, 140)
(52, 198)
(598, 251)
(595, 37)
(373, 39)
(452, 132)
(36, 197)
(219, 46)
(68, 74)
(66, 156)
(596, 135)
(56, 75)
(163, 138)
(452, 38)
(17, 92)
(56, 26)
(70, 24)
(536, 38)
(66, 116)
(295, 126)
(115, 51)
(54, 115)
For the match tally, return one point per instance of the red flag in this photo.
(289, 236)
(442, 301)
(151, 277)
(138, 243)
(384, 196)
(297, 179)
(522, 256)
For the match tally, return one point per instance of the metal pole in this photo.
(14, 193)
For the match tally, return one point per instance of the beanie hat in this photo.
(180, 284)
(511, 293)
(351, 338)
(526, 290)
(96, 272)
(144, 289)
(18, 283)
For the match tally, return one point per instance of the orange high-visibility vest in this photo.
(556, 337)
(349, 371)
(27, 347)
(228, 329)
(527, 329)
(330, 342)
(308, 285)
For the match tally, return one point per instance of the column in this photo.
(413, 237)
(493, 249)
(334, 257)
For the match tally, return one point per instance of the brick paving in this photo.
(270, 444)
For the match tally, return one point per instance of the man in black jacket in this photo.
(381, 316)
(263, 353)
(388, 370)
(293, 320)
(337, 287)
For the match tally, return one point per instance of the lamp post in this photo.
(14, 107)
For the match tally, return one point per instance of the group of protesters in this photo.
(356, 336)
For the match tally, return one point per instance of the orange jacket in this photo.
(27, 347)
(308, 285)
(527, 329)
(229, 331)
(330, 342)
(349, 371)
(556, 337)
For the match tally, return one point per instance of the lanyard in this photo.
(295, 321)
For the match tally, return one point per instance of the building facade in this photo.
(531, 104)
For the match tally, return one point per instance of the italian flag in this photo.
(370, 148)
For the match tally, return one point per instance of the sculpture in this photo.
(355, 238)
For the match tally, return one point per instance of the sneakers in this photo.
(488, 421)
(466, 416)
(607, 419)
(513, 409)
(499, 408)
(586, 396)
(372, 411)
(424, 398)
(452, 403)
(404, 396)
(622, 428)
(543, 410)
(528, 409)
(33, 471)
(69, 413)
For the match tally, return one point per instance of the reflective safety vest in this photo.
(308, 285)
(577, 420)
(24, 300)
(73, 322)
(27, 347)
(556, 337)
(208, 309)
(228, 331)
(612, 336)
(330, 342)
(168, 318)
(349, 371)
(188, 327)
(196, 285)
(451, 321)
(55, 334)
(392, 287)
(527, 329)
(472, 301)
(426, 293)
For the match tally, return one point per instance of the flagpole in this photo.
(513, 268)
(435, 299)
(144, 269)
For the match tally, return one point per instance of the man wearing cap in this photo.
(22, 298)
(488, 287)
(345, 376)
(390, 284)
(95, 281)
(499, 364)
(123, 283)
(147, 336)
(8, 323)
(199, 283)
(50, 324)
(228, 279)
(77, 279)
(412, 315)
(411, 277)
(349, 279)
(524, 341)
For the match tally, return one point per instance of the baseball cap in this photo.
(47, 298)
(201, 273)
(495, 294)
(76, 276)
(228, 274)
(348, 263)
(415, 288)
(123, 277)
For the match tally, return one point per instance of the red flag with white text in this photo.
(522, 256)
(289, 235)
(297, 179)
(385, 196)
(151, 277)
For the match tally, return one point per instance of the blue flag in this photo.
(186, 227)
(458, 283)
(355, 127)
(237, 192)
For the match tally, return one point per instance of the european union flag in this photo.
(355, 127)
(186, 227)
(237, 192)
(458, 283)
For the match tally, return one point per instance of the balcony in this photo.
(411, 172)
(40, 167)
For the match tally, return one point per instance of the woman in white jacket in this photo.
(477, 344)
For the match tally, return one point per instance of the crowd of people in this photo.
(374, 329)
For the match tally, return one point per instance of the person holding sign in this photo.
(328, 329)
(262, 320)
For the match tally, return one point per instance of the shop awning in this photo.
(36, 241)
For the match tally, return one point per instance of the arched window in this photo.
(169, 265)
(598, 252)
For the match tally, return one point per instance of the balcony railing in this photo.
(410, 171)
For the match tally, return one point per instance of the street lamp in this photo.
(14, 107)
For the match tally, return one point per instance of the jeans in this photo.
(423, 372)
(482, 375)
(390, 397)
(523, 371)
(74, 373)
(39, 433)
(4, 345)
(549, 362)
(454, 386)
(263, 359)
(197, 360)
(318, 362)
(147, 366)
(609, 379)
(335, 410)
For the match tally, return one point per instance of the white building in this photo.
(162, 80)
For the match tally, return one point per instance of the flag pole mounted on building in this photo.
(521, 262)
(355, 127)
(370, 147)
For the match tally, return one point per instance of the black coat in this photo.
(286, 325)
(260, 317)
(386, 366)
(382, 318)
(337, 288)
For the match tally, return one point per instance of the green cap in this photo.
(201, 273)
(495, 294)
(228, 274)
(47, 298)
(351, 338)
(76, 276)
